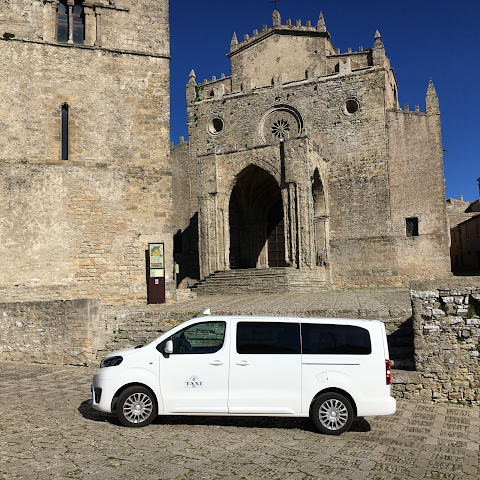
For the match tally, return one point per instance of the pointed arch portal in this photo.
(256, 221)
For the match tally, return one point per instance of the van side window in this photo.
(335, 340)
(206, 337)
(268, 337)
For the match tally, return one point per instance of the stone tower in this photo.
(84, 153)
(302, 159)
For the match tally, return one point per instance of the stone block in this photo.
(437, 313)
(431, 328)
(454, 396)
(406, 377)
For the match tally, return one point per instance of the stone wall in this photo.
(79, 227)
(446, 327)
(415, 151)
(62, 332)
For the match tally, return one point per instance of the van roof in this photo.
(272, 318)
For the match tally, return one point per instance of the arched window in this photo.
(62, 23)
(78, 24)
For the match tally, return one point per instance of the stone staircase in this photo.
(137, 325)
(258, 281)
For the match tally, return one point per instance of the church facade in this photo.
(303, 159)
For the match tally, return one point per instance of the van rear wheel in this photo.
(332, 413)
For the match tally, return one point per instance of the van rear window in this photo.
(268, 338)
(335, 340)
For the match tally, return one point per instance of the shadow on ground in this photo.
(284, 423)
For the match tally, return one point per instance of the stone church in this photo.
(301, 161)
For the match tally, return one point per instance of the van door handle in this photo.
(216, 362)
(243, 363)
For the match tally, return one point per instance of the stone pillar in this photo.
(98, 16)
(305, 231)
(70, 5)
(291, 225)
(90, 25)
(431, 100)
(49, 21)
(320, 231)
(378, 51)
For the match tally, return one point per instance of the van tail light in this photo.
(388, 371)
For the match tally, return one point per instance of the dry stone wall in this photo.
(446, 325)
(62, 332)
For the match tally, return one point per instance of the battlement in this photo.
(288, 29)
(295, 52)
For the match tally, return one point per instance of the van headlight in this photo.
(111, 361)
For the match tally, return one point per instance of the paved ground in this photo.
(365, 303)
(48, 430)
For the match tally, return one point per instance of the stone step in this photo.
(268, 280)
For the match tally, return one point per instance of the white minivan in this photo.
(327, 368)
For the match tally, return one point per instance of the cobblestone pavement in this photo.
(365, 303)
(49, 430)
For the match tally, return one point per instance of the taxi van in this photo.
(327, 368)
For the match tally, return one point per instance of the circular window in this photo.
(215, 126)
(351, 106)
(281, 123)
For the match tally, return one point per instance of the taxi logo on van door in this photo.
(193, 382)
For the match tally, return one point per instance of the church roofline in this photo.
(276, 30)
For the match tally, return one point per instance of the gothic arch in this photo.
(255, 210)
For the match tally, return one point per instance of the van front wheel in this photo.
(332, 413)
(136, 407)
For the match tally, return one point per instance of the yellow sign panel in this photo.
(156, 256)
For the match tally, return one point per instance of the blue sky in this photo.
(422, 38)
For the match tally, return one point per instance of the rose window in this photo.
(280, 128)
(281, 123)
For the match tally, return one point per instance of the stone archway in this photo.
(256, 221)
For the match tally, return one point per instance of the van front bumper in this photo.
(103, 392)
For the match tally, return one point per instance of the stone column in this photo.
(305, 233)
(70, 5)
(207, 241)
(320, 243)
(291, 225)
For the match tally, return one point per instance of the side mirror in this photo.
(168, 347)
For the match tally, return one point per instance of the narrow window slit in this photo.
(64, 132)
